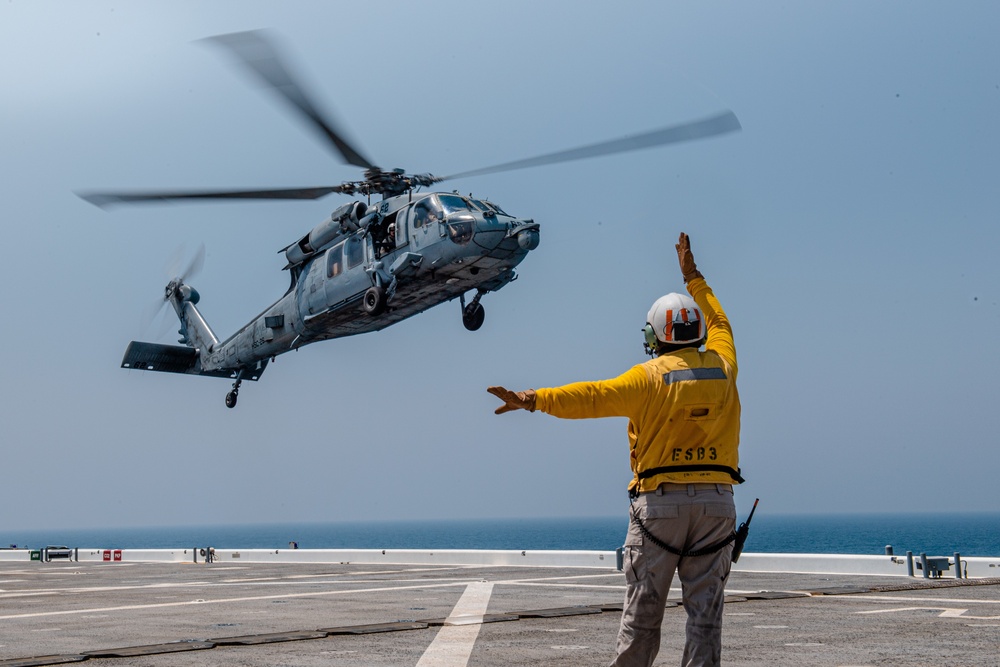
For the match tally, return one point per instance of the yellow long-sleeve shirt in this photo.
(683, 407)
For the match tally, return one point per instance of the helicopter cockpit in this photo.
(450, 210)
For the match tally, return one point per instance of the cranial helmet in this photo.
(674, 319)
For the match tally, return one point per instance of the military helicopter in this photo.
(365, 267)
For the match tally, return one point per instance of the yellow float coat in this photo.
(683, 407)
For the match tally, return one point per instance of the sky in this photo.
(849, 230)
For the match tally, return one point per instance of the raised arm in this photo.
(720, 332)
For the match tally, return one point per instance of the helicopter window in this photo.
(496, 208)
(354, 251)
(334, 264)
(453, 203)
(460, 227)
(424, 213)
(384, 235)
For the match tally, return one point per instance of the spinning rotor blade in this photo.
(708, 127)
(153, 314)
(105, 199)
(194, 266)
(256, 52)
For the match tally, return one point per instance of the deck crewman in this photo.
(683, 434)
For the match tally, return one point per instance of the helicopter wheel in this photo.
(231, 399)
(374, 301)
(473, 316)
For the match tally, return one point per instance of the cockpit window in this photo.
(453, 204)
(461, 227)
(436, 209)
(488, 206)
(426, 212)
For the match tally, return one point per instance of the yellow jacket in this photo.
(683, 407)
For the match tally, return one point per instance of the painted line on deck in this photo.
(354, 589)
(453, 644)
(553, 584)
(564, 578)
(249, 598)
(899, 598)
(946, 612)
(295, 580)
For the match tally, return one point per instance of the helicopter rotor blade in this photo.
(106, 199)
(707, 127)
(153, 315)
(172, 265)
(153, 319)
(194, 266)
(256, 51)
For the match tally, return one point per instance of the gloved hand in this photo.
(686, 259)
(513, 400)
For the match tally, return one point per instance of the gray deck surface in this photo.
(236, 615)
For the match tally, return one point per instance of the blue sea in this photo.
(971, 534)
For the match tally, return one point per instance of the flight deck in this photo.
(242, 611)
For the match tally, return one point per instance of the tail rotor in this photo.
(177, 272)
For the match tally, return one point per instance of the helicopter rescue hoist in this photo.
(367, 265)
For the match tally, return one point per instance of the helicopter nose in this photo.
(528, 237)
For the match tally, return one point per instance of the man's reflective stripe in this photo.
(685, 374)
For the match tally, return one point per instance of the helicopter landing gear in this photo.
(374, 301)
(232, 395)
(474, 313)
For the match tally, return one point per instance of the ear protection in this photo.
(650, 337)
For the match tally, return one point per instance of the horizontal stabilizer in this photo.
(163, 358)
(175, 359)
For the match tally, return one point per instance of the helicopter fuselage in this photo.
(415, 250)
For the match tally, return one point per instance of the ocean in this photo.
(971, 534)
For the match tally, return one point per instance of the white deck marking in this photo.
(946, 612)
(554, 584)
(454, 642)
(248, 598)
(565, 578)
(894, 598)
(354, 587)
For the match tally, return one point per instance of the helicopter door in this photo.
(423, 221)
(345, 271)
(398, 230)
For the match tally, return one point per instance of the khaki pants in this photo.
(687, 517)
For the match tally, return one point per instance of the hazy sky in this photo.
(850, 231)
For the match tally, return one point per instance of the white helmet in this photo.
(674, 319)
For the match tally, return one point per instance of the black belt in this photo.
(697, 467)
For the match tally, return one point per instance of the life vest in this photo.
(690, 429)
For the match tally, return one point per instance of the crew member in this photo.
(683, 434)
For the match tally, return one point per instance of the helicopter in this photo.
(366, 266)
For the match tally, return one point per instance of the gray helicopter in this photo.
(366, 266)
